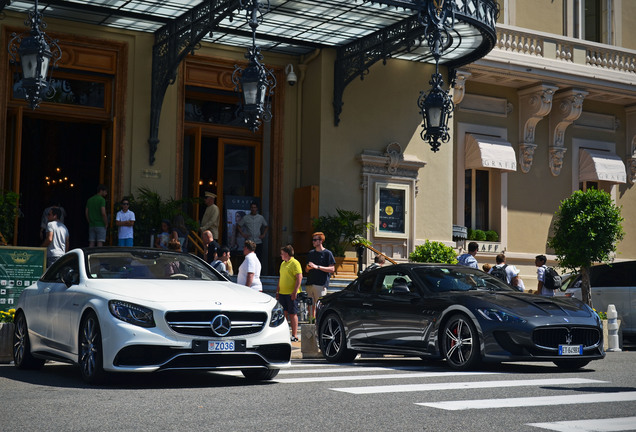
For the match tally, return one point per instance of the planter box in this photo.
(346, 268)
(6, 342)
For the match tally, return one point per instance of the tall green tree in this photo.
(587, 228)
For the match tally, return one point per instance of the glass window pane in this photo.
(592, 20)
(208, 169)
(468, 209)
(238, 170)
(481, 199)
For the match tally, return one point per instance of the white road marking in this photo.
(463, 385)
(595, 425)
(377, 377)
(457, 405)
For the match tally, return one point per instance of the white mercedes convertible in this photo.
(145, 310)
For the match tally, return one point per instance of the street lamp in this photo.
(436, 106)
(37, 52)
(255, 82)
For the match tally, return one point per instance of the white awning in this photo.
(598, 165)
(488, 152)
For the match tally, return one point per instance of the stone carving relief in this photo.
(632, 169)
(459, 89)
(556, 159)
(394, 153)
(631, 143)
(569, 107)
(534, 104)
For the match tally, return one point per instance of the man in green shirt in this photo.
(96, 217)
(291, 276)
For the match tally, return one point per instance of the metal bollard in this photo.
(612, 327)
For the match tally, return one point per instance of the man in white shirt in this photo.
(540, 261)
(249, 273)
(254, 227)
(125, 220)
(56, 237)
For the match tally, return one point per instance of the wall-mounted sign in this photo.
(391, 210)
(19, 268)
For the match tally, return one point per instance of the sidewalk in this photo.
(296, 351)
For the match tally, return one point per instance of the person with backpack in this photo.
(507, 273)
(548, 279)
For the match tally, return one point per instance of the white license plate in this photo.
(570, 350)
(220, 346)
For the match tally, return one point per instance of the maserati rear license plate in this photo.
(220, 345)
(570, 350)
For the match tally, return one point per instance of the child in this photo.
(164, 236)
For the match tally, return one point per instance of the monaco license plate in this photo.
(570, 350)
(217, 346)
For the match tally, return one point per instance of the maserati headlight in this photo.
(500, 316)
(278, 316)
(131, 313)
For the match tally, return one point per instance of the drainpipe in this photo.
(302, 67)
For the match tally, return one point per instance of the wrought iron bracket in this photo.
(173, 42)
(356, 58)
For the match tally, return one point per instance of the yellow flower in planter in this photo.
(7, 317)
(601, 315)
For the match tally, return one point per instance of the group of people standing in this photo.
(320, 266)
(511, 272)
(55, 235)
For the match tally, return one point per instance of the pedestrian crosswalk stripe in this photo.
(338, 370)
(377, 377)
(464, 385)
(457, 405)
(593, 425)
(294, 370)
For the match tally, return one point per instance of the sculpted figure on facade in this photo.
(526, 156)
(534, 104)
(556, 159)
(632, 169)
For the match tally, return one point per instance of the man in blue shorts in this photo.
(291, 276)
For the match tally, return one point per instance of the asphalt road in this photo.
(372, 394)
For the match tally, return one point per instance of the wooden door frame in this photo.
(214, 72)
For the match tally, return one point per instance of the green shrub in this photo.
(434, 252)
(8, 212)
(480, 235)
(342, 230)
(492, 236)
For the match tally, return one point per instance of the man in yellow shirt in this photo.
(291, 276)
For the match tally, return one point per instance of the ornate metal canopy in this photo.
(363, 32)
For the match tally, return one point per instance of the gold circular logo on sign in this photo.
(389, 210)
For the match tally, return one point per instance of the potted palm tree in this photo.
(343, 230)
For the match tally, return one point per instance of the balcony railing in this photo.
(564, 49)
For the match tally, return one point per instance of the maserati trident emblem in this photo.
(221, 325)
(568, 338)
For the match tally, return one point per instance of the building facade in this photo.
(551, 109)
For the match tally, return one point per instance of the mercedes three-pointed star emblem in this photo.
(221, 325)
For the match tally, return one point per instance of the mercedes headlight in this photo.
(500, 316)
(131, 313)
(278, 316)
